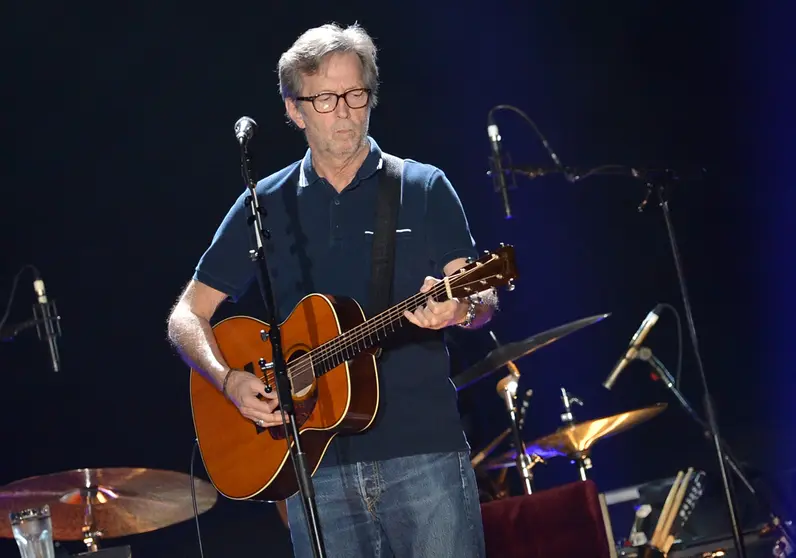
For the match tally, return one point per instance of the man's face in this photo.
(341, 132)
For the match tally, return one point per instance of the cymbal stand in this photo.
(507, 387)
(91, 534)
(581, 459)
(88, 495)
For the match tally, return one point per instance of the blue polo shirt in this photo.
(321, 242)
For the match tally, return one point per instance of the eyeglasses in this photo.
(327, 102)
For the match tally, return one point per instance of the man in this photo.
(405, 487)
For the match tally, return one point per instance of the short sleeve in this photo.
(226, 265)
(449, 236)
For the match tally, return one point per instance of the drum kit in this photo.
(573, 440)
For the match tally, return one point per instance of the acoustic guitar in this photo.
(330, 350)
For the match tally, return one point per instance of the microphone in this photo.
(498, 178)
(244, 129)
(45, 313)
(635, 342)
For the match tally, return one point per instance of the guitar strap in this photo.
(383, 254)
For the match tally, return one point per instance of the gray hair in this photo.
(313, 46)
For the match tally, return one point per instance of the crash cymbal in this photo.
(124, 501)
(578, 439)
(501, 356)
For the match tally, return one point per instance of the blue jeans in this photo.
(423, 506)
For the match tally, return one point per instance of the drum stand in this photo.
(88, 497)
(582, 459)
(507, 387)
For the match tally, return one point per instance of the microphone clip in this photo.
(47, 320)
(508, 169)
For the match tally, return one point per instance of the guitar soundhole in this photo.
(304, 397)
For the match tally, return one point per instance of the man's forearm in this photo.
(194, 339)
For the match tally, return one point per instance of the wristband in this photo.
(468, 319)
(226, 379)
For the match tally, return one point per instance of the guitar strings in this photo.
(304, 363)
(337, 344)
(333, 345)
(301, 365)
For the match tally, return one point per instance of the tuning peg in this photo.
(510, 286)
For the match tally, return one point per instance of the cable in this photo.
(574, 175)
(14, 290)
(193, 498)
(679, 342)
(559, 166)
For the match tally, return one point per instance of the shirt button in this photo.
(337, 201)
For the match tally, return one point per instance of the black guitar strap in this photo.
(383, 255)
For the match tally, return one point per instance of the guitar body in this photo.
(245, 461)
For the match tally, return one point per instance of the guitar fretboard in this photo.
(369, 333)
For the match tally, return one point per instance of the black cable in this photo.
(679, 342)
(14, 290)
(572, 175)
(193, 498)
(559, 166)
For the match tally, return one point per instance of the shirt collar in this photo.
(372, 163)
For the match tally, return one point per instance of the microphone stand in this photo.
(646, 355)
(711, 416)
(283, 390)
(652, 185)
(655, 181)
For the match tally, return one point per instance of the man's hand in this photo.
(242, 390)
(437, 315)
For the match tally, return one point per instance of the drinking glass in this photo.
(33, 531)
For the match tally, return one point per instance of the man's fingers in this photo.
(427, 284)
(268, 418)
(438, 307)
(417, 318)
(411, 318)
(257, 406)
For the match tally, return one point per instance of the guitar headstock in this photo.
(494, 269)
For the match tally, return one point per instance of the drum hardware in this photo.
(479, 457)
(582, 459)
(90, 504)
(568, 399)
(507, 388)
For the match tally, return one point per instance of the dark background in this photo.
(119, 161)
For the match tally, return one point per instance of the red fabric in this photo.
(559, 522)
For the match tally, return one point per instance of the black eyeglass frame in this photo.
(338, 96)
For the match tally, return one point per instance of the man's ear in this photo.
(294, 113)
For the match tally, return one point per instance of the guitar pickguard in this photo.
(302, 407)
(303, 411)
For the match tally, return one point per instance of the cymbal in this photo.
(124, 501)
(501, 356)
(578, 439)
